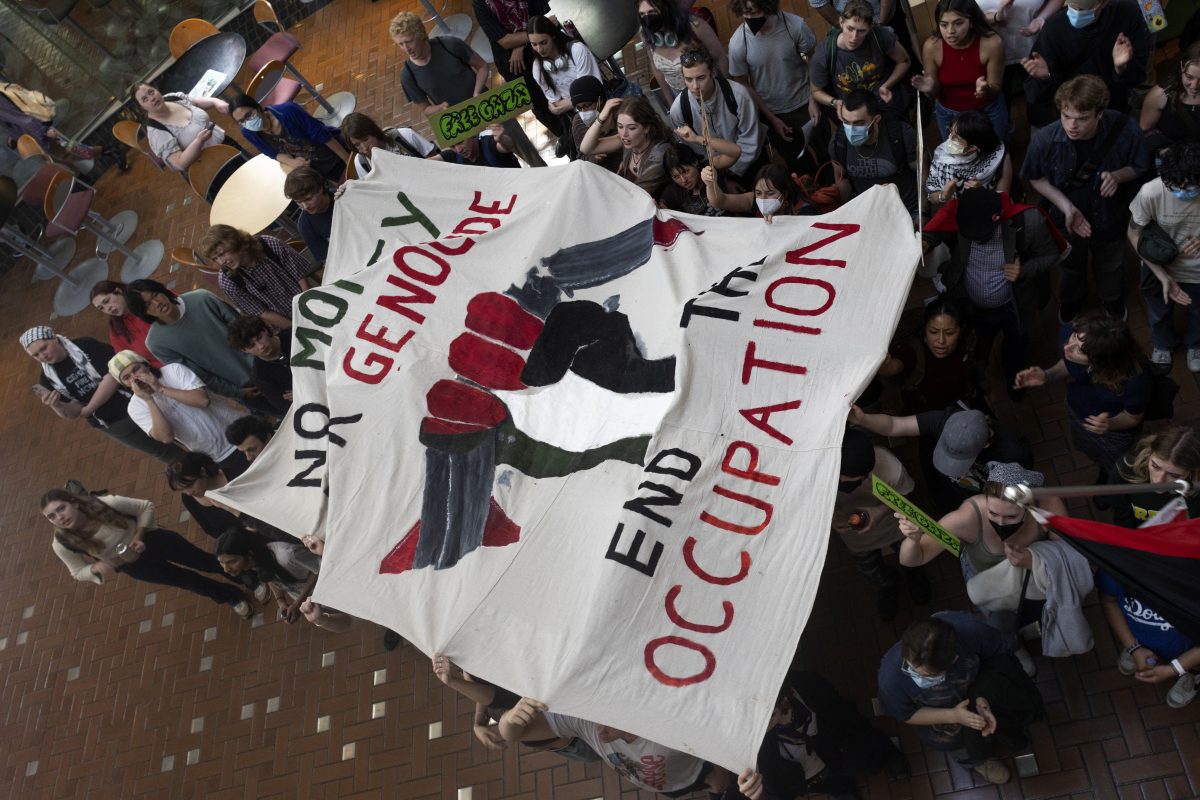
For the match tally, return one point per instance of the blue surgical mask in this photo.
(856, 134)
(1187, 194)
(253, 123)
(923, 681)
(1080, 18)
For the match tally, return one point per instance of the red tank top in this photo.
(957, 75)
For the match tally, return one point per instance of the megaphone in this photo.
(604, 25)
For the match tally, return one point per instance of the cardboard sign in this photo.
(898, 502)
(470, 117)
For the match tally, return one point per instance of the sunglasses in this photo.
(691, 59)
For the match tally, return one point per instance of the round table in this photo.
(252, 198)
(223, 52)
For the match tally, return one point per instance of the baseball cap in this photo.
(963, 438)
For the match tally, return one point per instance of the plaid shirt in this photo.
(270, 284)
(984, 275)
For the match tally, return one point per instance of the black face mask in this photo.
(652, 22)
(1005, 531)
(755, 24)
(849, 486)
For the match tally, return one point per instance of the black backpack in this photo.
(685, 102)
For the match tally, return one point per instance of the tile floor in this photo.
(123, 692)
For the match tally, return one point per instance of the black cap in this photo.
(587, 89)
(978, 213)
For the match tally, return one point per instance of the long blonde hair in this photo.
(1179, 444)
(94, 510)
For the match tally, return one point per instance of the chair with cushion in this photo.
(187, 33)
(68, 208)
(28, 146)
(281, 46)
(270, 86)
(51, 262)
(214, 162)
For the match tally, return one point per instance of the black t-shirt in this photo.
(1006, 446)
(315, 230)
(81, 386)
(273, 378)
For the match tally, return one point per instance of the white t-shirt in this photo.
(198, 429)
(556, 85)
(420, 148)
(1154, 202)
(643, 763)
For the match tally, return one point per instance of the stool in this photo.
(69, 211)
(456, 25)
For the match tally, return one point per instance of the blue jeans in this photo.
(997, 112)
(1161, 315)
(164, 559)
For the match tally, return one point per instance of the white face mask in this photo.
(955, 148)
(588, 117)
(767, 206)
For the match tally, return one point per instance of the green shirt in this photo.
(199, 342)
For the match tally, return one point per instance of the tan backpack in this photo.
(30, 101)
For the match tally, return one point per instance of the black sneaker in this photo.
(1117, 310)
(560, 149)
(887, 604)
(918, 586)
(391, 640)
(1068, 311)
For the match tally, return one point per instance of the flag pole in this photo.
(1025, 495)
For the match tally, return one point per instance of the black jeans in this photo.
(1014, 348)
(163, 562)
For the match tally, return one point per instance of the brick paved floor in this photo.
(120, 691)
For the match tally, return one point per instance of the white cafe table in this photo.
(252, 198)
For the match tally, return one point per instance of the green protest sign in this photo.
(898, 502)
(470, 117)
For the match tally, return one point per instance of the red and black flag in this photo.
(1160, 565)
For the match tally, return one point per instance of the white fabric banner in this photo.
(586, 449)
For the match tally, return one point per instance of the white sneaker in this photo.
(1125, 663)
(243, 610)
(1193, 359)
(1160, 359)
(1026, 661)
(260, 593)
(1183, 692)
